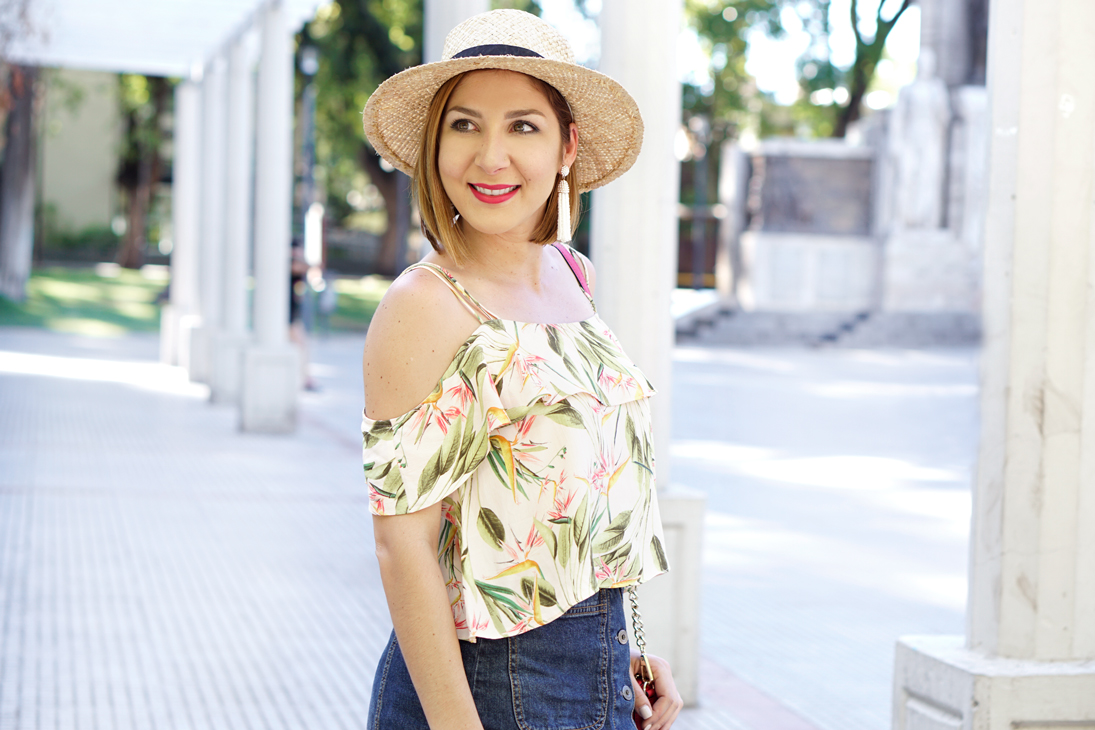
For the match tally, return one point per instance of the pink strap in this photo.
(575, 267)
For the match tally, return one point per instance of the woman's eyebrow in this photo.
(464, 110)
(509, 115)
(524, 113)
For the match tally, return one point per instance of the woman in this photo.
(507, 436)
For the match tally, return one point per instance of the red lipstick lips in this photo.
(490, 193)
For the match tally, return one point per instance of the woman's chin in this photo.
(496, 229)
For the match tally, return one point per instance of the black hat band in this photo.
(496, 49)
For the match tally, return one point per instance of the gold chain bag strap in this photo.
(645, 675)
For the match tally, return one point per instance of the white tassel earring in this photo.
(563, 232)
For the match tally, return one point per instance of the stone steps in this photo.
(721, 325)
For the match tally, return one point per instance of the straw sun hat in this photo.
(610, 130)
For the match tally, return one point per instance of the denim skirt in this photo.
(573, 673)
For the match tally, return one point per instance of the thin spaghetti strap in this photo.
(577, 269)
(477, 310)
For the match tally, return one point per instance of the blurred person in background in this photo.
(298, 292)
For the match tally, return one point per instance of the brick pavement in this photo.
(159, 569)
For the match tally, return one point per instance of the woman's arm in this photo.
(411, 341)
(406, 548)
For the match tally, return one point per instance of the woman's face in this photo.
(499, 151)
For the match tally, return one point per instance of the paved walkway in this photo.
(159, 569)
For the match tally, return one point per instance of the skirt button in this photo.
(621, 636)
(627, 693)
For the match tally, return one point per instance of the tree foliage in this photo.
(15, 23)
(868, 52)
(145, 103)
(733, 100)
(817, 71)
(360, 44)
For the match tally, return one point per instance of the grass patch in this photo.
(110, 301)
(101, 301)
(357, 302)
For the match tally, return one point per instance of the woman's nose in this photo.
(493, 154)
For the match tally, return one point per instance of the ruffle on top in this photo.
(538, 441)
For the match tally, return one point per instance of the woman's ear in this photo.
(570, 147)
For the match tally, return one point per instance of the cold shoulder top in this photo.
(537, 441)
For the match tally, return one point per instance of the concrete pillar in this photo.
(440, 17)
(213, 185)
(1028, 659)
(634, 249)
(633, 238)
(179, 317)
(271, 370)
(232, 340)
(733, 192)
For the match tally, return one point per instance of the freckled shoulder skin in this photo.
(412, 338)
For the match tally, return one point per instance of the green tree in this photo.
(868, 52)
(145, 102)
(733, 100)
(361, 43)
(817, 71)
(529, 6)
(18, 138)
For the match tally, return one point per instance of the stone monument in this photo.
(929, 265)
(884, 226)
(919, 128)
(808, 243)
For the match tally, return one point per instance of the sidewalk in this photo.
(159, 569)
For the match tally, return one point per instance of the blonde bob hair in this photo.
(437, 212)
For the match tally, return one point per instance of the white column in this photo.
(180, 316)
(634, 249)
(233, 338)
(440, 17)
(271, 370)
(214, 121)
(633, 238)
(733, 193)
(1028, 659)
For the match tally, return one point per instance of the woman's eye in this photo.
(524, 127)
(461, 125)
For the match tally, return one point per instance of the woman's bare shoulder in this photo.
(418, 327)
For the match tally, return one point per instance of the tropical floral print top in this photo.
(537, 441)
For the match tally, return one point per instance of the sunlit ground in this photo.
(107, 300)
(151, 376)
(838, 488)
